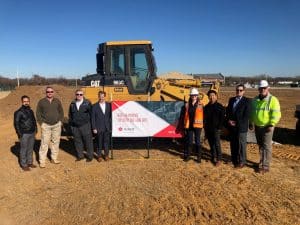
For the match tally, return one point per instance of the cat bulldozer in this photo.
(126, 71)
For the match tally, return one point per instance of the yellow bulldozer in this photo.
(126, 71)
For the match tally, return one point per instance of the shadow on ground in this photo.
(286, 136)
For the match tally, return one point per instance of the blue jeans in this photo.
(189, 134)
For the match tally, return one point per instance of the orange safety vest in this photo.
(198, 120)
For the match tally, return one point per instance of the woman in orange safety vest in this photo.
(193, 124)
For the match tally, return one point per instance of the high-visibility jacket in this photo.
(198, 119)
(266, 111)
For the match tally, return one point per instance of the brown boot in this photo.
(25, 168)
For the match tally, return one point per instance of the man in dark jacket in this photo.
(237, 121)
(102, 125)
(80, 111)
(25, 125)
(214, 115)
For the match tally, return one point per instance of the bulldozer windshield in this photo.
(138, 70)
(126, 63)
(117, 65)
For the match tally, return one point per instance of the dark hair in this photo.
(190, 100)
(240, 85)
(101, 92)
(212, 91)
(24, 96)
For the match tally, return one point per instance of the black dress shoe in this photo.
(99, 159)
(186, 159)
(89, 160)
(79, 159)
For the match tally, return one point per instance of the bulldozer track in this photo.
(287, 155)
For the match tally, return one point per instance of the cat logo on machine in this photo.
(118, 89)
(95, 83)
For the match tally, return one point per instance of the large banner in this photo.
(145, 119)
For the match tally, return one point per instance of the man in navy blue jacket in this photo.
(237, 122)
(80, 111)
(102, 125)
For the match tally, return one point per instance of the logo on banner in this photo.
(132, 119)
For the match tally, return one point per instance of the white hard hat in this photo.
(194, 91)
(263, 83)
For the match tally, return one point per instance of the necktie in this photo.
(237, 99)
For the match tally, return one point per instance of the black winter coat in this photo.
(80, 117)
(24, 121)
(240, 115)
(214, 116)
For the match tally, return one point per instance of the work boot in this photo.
(187, 154)
(25, 168)
(32, 165)
(55, 161)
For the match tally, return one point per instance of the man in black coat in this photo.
(80, 112)
(214, 115)
(102, 125)
(237, 122)
(25, 126)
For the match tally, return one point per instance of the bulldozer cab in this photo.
(126, 63)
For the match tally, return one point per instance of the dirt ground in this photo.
(131, 189)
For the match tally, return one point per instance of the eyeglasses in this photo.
(79, 94)
(49, 92)
(239, 90)
(262, 88)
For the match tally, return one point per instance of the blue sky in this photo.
(241, 37)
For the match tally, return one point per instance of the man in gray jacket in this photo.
(49, 114)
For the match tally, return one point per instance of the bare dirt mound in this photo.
(12, 102)
(134, 190)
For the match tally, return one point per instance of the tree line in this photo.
(9, 84)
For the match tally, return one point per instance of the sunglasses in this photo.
(239, 90)
(49, 92)
(79, 94)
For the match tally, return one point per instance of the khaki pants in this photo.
(50, 137)
(264, 141)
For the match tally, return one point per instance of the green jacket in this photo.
(266, 111)
(49, 113)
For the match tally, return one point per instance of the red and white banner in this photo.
(132, 119)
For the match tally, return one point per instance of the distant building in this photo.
(210, 77)
(285, 82)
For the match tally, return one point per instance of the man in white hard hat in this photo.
(265, 115)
